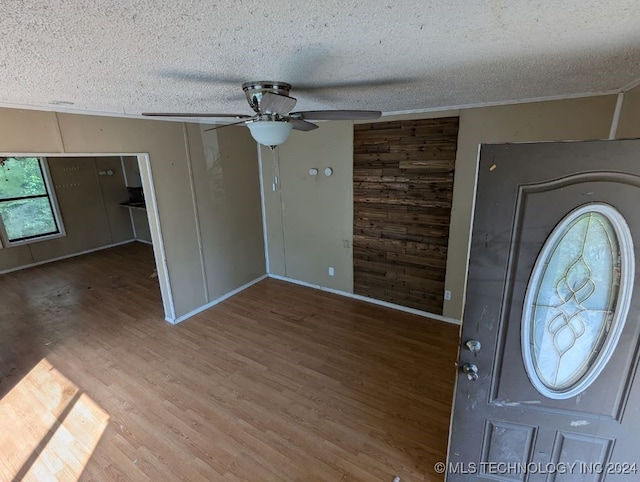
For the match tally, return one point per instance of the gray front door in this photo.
(551, 393)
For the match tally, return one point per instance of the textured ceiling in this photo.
(125, 57)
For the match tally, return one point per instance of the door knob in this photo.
(473, 346)
(471, 371)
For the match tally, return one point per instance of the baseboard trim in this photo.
(386, 304)
(144, 241)
(216, 301)
(66, 256)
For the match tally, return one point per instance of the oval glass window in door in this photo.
(577, 300)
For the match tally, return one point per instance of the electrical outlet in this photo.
(447, 295)
(332, 272)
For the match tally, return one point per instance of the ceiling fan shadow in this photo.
(367, 89)
(200, 77)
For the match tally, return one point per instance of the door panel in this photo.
(569, 446)
(524, 191)
(535, 205)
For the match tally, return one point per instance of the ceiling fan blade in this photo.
(302, 125)
(194, 114)
(277, 103)
(225, 125)
(337, 114)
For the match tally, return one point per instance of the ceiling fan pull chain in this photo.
(275, 168)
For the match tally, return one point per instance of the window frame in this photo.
(5, 242)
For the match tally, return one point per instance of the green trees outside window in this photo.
(26, 207)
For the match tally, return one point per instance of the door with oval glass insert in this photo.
(552, 298)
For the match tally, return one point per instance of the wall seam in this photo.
(263, 201)
(62, 150)
(59, 132)
(616, 116)
(275, 153)
(194, 201)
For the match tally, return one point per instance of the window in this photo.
(28, 209)
(577, 300)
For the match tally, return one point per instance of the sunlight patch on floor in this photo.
(49, 427)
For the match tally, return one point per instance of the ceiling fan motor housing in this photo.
(256, 89)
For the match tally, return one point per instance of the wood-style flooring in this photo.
(277, 383)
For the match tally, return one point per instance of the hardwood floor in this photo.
(279, 382)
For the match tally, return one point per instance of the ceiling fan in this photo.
(273, 120)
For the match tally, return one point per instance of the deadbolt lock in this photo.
(473, 345)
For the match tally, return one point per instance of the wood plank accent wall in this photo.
(403, 187)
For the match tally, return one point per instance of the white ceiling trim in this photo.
(505, 102)
(631, 85)
(66, 110)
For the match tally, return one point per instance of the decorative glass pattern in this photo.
(577, 300)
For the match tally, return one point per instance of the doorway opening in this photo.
(55, 206)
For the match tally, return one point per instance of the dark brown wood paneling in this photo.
(402, 192)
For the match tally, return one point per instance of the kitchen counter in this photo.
(139, 205)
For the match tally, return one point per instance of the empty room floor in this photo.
(279, 382)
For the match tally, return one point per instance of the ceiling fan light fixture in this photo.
(270, 133)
